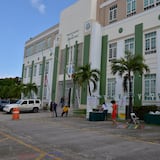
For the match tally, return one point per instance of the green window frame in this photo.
(150, 87)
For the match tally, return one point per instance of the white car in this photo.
(24, 105)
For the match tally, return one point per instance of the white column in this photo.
(158, 65)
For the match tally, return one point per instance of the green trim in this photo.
(54, 77)
(86, 51)
(138, 50)
(76, 56)
(42, 78)
(32, 72)
(75, 69)
(103, 68)
(65, 65)
(22, 71)
(120, 30)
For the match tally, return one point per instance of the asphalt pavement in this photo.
(40, 136)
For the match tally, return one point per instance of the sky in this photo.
(20, 20)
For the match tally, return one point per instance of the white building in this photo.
(96, 31)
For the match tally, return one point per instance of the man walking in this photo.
(53, 108)
(105, 109)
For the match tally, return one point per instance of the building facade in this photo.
(40, 63)
(96, 32)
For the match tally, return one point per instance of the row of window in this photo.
(40, 46)
(150, 45)
(149, 87)
(131, 8)
(37, 67)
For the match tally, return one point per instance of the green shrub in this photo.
(79, 112)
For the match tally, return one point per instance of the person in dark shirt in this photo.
(53, 108)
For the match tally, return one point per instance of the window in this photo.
(150, 87)
(40, 46)
(49, 44)
(24, 102)
(39, 91)
(150, 43)
(71, 55)
(45, 92)
(29, 51)
(37, 101)
(112, 51)
(129, 45)
(30, 72)
(150, 3)
(35, 70)
(47, 68)
(40, 69)
(111, 88)
(25, 72)
(31, 101)
(70, 66)
(131, 7)
(45, 80)
(113, 14)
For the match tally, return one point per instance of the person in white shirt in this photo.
(105, 109)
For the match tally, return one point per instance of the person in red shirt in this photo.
(114, 111)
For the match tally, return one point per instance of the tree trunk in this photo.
(130, 97)
(89, 88)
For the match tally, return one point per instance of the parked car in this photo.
(24, 105)
(3, 102)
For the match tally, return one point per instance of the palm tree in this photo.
(15, 91)
(86, 75)
(28, 89)
(130, 64)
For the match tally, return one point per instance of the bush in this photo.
(79, 112)
(141, 111)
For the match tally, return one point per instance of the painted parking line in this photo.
(42, 155)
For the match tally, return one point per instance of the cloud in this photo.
(38, 4)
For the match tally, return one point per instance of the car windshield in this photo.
(19, 101)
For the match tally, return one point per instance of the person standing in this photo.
(53, 108)
(62, 102)
(114, 112)
(105, 109)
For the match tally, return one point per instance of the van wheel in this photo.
(35, 110)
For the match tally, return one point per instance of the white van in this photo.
(24, 105)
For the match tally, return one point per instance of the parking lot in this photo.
(39, 136)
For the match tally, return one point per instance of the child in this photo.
(65, 110)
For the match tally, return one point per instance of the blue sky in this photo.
(20, 20)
